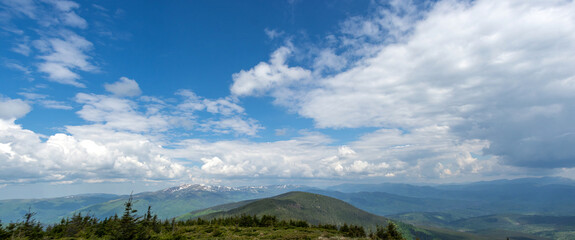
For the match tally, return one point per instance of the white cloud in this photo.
(454, 92)
(284, 159)
(45, 101)
(62, 52)
(418, 153)
(12, 109)
(346, 151)
(64, 55)
(66, 14)
(273, 33)
(228, 116)
(18, 67)
(153, 115)
(328, 60)
(120, 114)
(53, 104)
(22, 48)
(109, 150)
(125, 87)
(266, 76)
(225, 106)
(89, 154)
(426, 154)
(495, 71)
(236, 125)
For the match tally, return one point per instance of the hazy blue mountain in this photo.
(166, 203)
(432, 206)
(546, 196)
(394, 188)
(382, 203)
(175, 201)
(50, 209)
(518, 225)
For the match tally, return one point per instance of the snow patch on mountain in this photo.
(218, 188)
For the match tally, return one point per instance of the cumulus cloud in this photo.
(453, 89)
(120, 114)
(296, 158)
(496, 72)
(122, 142)
(86, 154)
(328, 60)
(426, 154)
(228, 116)
(266, 76)
(12, 109)
(125, 87)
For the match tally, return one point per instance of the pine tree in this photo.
(129, 228)
(30, 228)
(389, 233)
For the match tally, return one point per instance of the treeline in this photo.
(148, 226)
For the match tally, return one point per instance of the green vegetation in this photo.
(515, 226)
(459, 212)
(313, 208)
(132, 226)
(318, 209)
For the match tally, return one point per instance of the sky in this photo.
(121, 96)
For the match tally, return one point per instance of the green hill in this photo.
(320, 209)
(313, 208)
(175, 201)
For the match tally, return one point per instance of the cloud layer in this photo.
(442, 91)
(121, 141)
(499, 72)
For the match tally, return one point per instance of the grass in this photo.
(240, 233)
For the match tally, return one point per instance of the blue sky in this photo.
(115, 96)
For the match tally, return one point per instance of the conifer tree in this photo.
(388, 233)
(128, 228)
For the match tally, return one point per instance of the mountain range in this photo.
(530, 208)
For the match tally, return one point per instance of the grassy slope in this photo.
(319, 209)
(248, 233)
(313, 208)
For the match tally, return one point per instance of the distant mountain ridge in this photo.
(319, 209)
(453, 203)
(167, 203)
(174, 201)
(219, 188)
